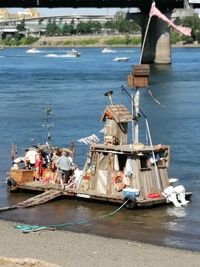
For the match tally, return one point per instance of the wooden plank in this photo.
(36, 200)
(40, 199)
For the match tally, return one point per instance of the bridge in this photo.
(157, 45)
(142, 4)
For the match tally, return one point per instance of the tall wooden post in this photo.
(137, 110)
(137, 79)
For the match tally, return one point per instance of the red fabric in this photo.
(153, 195)
(155, 12)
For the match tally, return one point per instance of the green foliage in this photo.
(122, 26)
(18, 41)
(27, 40)
(88, 27)
(52, 29)
(194, 23)
(174, 37)
(68, 29)
(119, 25)
(21, 27)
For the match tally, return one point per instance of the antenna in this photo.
(48, 118)
(109, 94)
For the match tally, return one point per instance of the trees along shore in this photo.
(119, 32)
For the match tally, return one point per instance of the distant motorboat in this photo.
(108, 50)
(1, 48)
(121, 59)
(33, 50)
(73, 53)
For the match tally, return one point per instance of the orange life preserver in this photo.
(117, 180)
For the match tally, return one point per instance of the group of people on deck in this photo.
(58, 162)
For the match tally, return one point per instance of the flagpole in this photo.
(144, 40)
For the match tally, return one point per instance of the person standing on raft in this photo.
(64, 168)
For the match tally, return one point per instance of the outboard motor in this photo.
(180, 191)
(170, 195)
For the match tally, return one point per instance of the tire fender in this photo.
(131, 202)
(12, 184)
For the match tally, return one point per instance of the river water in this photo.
(74, 88)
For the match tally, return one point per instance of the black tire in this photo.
(11, 184)
(131, 202)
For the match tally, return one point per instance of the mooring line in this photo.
(34, 228)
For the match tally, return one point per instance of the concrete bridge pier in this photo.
(157, 48)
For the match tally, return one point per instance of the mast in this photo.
(137, 79)
(135, 127)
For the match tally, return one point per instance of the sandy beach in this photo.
(72, 249)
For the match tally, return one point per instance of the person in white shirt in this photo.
(30, 157)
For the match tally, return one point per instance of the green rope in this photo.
(34, 228)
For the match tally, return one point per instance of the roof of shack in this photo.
(117, 112)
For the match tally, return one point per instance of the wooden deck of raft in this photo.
(51, 191)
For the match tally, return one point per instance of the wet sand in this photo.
(72, 249)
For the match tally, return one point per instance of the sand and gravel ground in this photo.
(71, 249)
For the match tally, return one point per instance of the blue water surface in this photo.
(74, 88)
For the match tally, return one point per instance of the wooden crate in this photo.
(137, 81)
(140, 81)
(22, 176)
(141, 70)
(130, 80)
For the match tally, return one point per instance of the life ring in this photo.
(117, 180)
(131, 202)
(12, 184)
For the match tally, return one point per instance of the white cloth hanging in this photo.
(128, 167)
(116, 163)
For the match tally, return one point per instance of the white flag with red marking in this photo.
(156, 12)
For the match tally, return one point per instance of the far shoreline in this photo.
(92, 41)
(97, 46)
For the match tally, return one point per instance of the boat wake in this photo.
(33, 51)
(128, 51)
(108, 50)
(60, 56)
